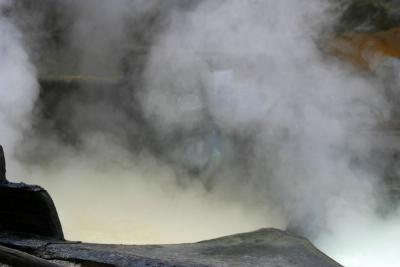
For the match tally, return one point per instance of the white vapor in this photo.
(262, 75)
(256, 67)
(281, 131)
(18, 84)
(104, 192)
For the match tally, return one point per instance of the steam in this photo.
(104, 23)
(264, 78)
(126, 191)
(235, 120)
(18, 87)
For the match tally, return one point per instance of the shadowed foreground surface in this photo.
(266, 247)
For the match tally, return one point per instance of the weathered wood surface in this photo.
(17, 258)
(266, 247)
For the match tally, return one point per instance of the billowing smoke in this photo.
(226, 116)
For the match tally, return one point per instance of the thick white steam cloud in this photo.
(279, 134)
(258, 66)
(105, 192)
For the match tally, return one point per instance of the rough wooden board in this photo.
(266, 247)
(17, 258)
